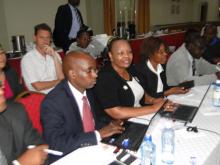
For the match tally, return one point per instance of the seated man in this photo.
(212, 52)
(186, 63)
(67, 113)
(16, 133)
(83, 42)
(41, 67)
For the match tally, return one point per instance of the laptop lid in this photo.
(183, 112)
(130, 139)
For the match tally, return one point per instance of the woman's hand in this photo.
(176, 90)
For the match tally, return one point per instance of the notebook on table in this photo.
(185, 113)
(131, 138)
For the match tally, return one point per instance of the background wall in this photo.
(94, 9)
(160, 12)
(189, 10)
(19, 17)
(3, 27)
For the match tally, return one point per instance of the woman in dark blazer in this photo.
(9, 78)
(151, 69)
(118, 91)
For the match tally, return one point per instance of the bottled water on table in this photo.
(216, 93)
(148, 151)
(168, 144)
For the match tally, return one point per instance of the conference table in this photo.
(201, 148)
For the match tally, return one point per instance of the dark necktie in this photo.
(193, 67)
(88, 121)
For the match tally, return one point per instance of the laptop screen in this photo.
(183, 112)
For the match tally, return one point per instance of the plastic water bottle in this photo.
(148, 151)
(216, 93)
(168, 144)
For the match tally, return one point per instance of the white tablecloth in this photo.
(204, 145)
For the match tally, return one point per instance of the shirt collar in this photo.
(39, 55)
(189, 56)
(71, 7)
(76, 92)
(159, 67)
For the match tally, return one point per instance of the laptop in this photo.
(185, 113)
(130, 139)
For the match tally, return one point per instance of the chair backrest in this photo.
(32, 102)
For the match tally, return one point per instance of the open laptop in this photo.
(185, 113)
(131, 138)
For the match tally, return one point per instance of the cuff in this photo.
(15, 162)
(98, 137)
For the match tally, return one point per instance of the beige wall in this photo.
(95, 19)
(160, 12)
(19, 17)
(3, 27)
(212, 14)
(189, 11)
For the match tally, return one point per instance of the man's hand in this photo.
(115, 127)
(49, 50)
(34, 156)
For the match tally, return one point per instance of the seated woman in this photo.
(8, 78)
(118, 91)
(151, 69)
(83, 42)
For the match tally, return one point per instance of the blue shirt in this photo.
(75, 23)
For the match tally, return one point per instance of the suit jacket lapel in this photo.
(6, 136)
(74, 104)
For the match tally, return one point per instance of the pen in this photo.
(53, 152)
(49, 151)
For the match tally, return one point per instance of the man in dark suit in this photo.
(67, 23)
(63, 110)
(16, 133)
(212, 52)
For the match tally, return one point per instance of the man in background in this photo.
(42, 66)
(68, 111)
(212, 52)
(186, 64)
(67, 23)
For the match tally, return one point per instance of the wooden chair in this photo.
(32, 102)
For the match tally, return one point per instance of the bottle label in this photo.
(216, 98)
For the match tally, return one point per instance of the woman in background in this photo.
(8, 77)
(84, 42)
(151, 69)
(118, 91)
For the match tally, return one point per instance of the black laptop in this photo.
(131, 138)
(185, 113)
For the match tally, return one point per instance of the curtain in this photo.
(143, 16)
(109, 16)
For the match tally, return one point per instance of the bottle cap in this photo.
(217, 82)
(148, 137)
(168, 125)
